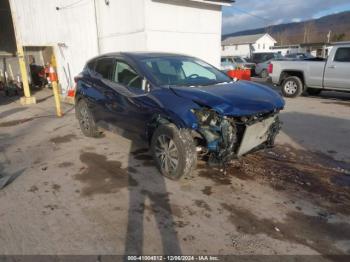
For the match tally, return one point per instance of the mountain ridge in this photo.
(313, 30)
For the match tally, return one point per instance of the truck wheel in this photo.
(174, 151)
(86, 120)
(292, 87)
(313, 91)
(264, 74)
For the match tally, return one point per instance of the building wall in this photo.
(263, 44)
(179, 26)
(186, 27)
(121, 25)
(40, 24)
(236, 50)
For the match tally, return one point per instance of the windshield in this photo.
(183, 71)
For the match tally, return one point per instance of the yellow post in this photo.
(57, 98)
(54, 79)
(27, 99)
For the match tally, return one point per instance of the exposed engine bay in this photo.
(223, 138)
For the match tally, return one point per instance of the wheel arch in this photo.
(297, 73)
(163, 119)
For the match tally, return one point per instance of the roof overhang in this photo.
(215, 2)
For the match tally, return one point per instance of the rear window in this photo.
(90, 65)
(342, 55)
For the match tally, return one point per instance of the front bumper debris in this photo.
(255, 135)
(227, 138)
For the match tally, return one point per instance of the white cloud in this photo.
(272, 12)
(296, 20)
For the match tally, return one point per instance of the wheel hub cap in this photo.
(291, 87)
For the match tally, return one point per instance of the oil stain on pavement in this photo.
(286, 168)
(144, 156)
(63, 139)
(312, 231)
(16, 122)
(102, 176)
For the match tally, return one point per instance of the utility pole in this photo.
(329, 36)
(26, 99)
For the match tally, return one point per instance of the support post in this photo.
(54, 79)
(57, 98)
(27, 98)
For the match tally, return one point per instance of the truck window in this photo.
(342, 55)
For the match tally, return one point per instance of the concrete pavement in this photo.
(78, 195)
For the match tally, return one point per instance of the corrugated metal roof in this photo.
(241, 40)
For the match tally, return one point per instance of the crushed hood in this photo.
(240, 98)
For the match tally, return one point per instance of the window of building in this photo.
(258, 46)
(236, 47)
(263, 46)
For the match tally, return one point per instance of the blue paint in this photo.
(134, 110)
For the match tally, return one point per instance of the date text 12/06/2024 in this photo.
(173, 258)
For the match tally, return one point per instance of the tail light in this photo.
(270, 68)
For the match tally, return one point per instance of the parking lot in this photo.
(79, 195)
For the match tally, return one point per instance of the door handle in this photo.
(332, 67)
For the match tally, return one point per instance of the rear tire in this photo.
(174, 151)
(86, 120)
(313, 91)
(292, 87)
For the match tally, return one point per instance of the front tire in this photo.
(292, 87)
(174, 151)
(86, 120)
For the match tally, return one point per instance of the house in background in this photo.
(245, 45)
(286, 49)
(75, 31)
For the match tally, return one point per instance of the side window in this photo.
(342, 55)
(127, 76)
(104, 67)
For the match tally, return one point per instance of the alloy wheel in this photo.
(167, 154)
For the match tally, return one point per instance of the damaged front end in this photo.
(223, 138)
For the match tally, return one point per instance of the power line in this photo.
(256, 16)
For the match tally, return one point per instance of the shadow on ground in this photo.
(103, 176)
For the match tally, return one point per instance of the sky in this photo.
(251, 14)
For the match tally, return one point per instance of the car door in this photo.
(337, 70)
(129, 103)
(101, 76)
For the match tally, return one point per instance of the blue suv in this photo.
(182, 106)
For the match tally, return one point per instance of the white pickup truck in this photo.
(313, 75)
